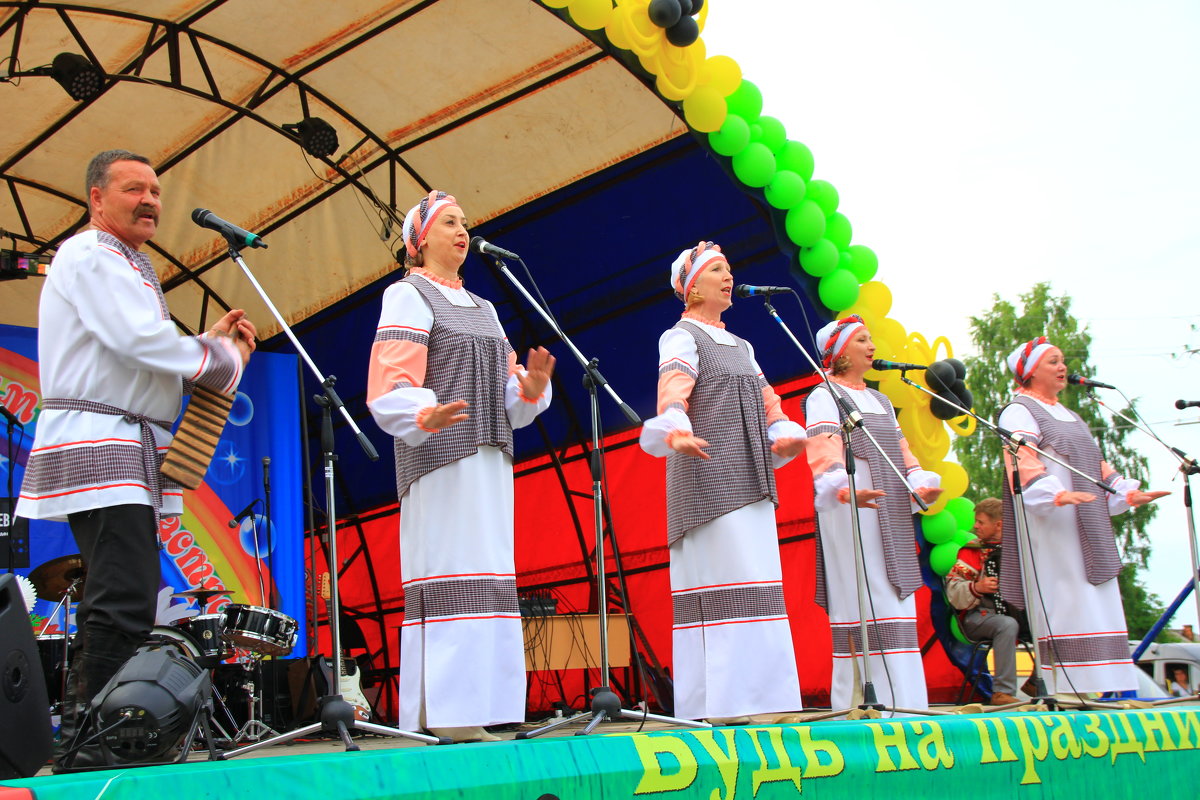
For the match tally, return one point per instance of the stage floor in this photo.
(1104, 750)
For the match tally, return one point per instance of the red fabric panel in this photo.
(555, 540)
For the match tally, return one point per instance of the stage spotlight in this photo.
(317, 137)
(150, 704)
(81, 78)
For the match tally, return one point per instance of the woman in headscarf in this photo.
(445, 383)
(723, 432)
(1084, 643)
(885, 518)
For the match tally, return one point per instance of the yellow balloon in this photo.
(591, 15)
(876, 296)
(647, 60)
(556, 3)
(645, 38)
(723, 74)
(892, 331)
(954, 479)
(615, 30)
(704, 109)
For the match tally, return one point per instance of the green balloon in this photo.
(963, 538)
(963, 511)
(837, 228)
(939, 528)
(823, 194)
(864, 264)
(773, 134)
(957, 631)
(798, 158)
(746, 101)
(820, 259)
(844, 261)
(838, 290)
(942, 557)
(785, 190)
(805, 223)
(755, 165)
(732, 137)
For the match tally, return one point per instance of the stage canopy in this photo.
(574, 134)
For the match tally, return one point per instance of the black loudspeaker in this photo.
(25, 736)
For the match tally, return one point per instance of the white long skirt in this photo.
(1081, 626)
(465, 668)
(896, 670)
(738, 662)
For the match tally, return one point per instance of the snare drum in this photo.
(260, 630)
(205, 632)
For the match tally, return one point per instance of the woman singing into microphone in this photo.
(722, 430)
(1073, 593)
(445, 383)
(885, 523)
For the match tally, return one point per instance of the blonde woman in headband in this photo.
(445, 383)
(723, 433)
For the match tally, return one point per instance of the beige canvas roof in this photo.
(499, 101)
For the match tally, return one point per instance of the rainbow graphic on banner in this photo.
(200, 549)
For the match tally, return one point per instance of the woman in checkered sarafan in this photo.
(445, 383)
(723, 432)
(885, 515)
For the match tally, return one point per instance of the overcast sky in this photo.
(980, 148)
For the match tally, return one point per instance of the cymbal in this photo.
(203, 594)
(54, 578)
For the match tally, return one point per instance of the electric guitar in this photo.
(349, 685)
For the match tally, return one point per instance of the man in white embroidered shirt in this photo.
(114, 369)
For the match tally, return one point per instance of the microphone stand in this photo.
(1012, 443)
(336, 715)
(850, 420)
(1187, 468)
(11, 511)
(605, 704)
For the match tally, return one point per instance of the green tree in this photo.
(995, 333)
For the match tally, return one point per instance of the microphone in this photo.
(484, 247)
(232, 233)
(1079, 380)
(1180, 404)
(881, 365)
(245, 512)
(746, 290)
(12, 418)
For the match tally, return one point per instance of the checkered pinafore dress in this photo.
(468, 360)
(727, 410)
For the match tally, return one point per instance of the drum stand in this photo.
(336, 715)
(64, 605)
(255, 729)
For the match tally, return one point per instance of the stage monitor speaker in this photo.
(26, 739)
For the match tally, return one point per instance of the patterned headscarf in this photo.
(686, 268)
(421, 216)
(833, 338)
(1024, 360)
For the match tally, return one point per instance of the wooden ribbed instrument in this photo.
(196, 439)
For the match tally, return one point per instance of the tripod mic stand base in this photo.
(337, 716)
(606, 706)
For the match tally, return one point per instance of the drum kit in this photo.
(241, 634)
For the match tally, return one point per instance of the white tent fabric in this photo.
(497, 101)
